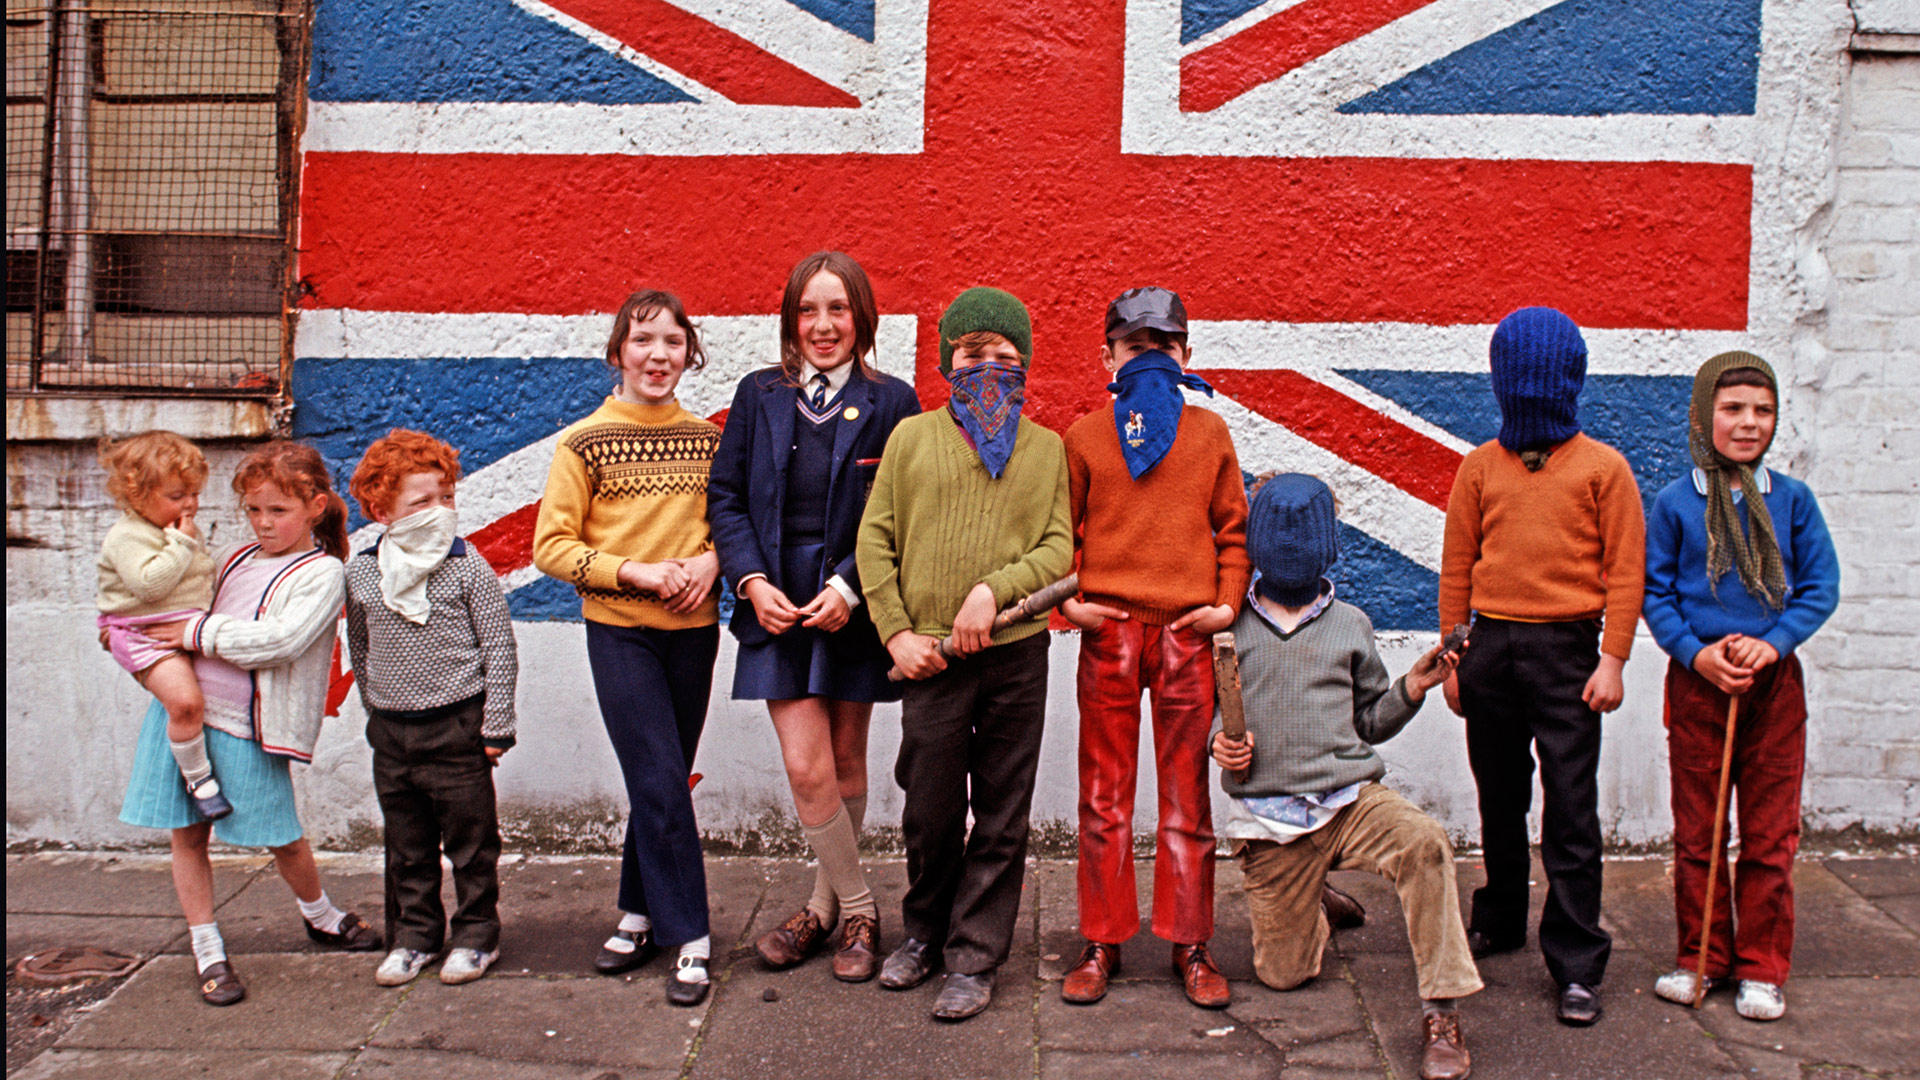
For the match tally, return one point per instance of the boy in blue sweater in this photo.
(1736, 635)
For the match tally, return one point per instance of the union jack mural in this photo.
(1348, 194)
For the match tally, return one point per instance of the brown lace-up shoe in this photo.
(1343, 911)
(1086, 983)
(792, 941)
(1445, 1055)
(1204, 984)
(858, 957)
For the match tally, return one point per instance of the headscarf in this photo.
(1147, 405)
(1754, 550)
(986, 400)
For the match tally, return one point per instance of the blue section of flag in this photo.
(1395, 592)
(853, 16)
(1595, 58)
(1642, 416)
(466, 50)
(486, 408)
(1201, 17)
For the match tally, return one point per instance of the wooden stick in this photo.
(1714, 853)
(1226, 691)
(1038, 602)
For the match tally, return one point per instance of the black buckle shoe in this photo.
(212, 807)
(688, 994)
(354, 934)
(615, 962)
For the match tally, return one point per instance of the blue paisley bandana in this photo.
(1146, 407)
(986, 400)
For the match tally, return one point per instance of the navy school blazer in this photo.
(747, 490)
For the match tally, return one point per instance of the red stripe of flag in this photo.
(1414, 463)
(1215, 75)
(740, 70)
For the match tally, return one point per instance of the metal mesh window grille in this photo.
(152, 186)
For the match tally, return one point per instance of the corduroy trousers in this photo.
(1118, 661)
(1752, 934)
(1520, 686)
(653, 687)
(970, 740)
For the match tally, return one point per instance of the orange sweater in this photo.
(1139, 544)
(1568, 542)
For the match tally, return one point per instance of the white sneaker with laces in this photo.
(1760, 1000)
(400, 967)
(1677, 986)
(466, 965)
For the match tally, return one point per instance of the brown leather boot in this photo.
(1343, 911)
(792, 941)
(1204, 984)
(858, 957)
(1445, 1055)
(1086, 983)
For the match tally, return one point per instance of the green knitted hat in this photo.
(983, 308)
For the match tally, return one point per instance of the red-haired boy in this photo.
(434, 657)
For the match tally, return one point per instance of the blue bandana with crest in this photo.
(986, 400)
(1146, 407)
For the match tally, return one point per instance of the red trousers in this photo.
(1117, 662)
(1752, 934)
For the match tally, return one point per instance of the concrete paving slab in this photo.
(571, 1021)
(69, 883)
(385, 1063)
(1139, 1016)
(1158, 1064)
(1866, 1023)
(294, 1003)
(140, 935)
(181, 1065)
(1512, 1033)
(1353, 1053)
(1321, 1009)
(1902, 909)
(1838, 932)
(1875, 878)
(555, 911)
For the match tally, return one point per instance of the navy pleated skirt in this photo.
(804, 662)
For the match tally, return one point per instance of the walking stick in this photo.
(1043, 600)
(1226, 690)
(1714, 853)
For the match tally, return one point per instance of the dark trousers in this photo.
(1769, 756)
(435, 784)
(972, 729)
(1520, 686)
(653, 687)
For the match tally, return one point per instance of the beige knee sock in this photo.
(840, 872)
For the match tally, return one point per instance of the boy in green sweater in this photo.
(1305, 782)
(968, 514)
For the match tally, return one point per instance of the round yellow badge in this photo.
(850, 414)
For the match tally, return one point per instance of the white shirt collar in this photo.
(1761, 479)
(836, 379)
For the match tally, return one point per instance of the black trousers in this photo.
(1520, 686)
(435, 784)
(972, 729)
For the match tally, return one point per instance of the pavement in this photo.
(1854, 1001)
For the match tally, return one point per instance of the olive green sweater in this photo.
(936, 525)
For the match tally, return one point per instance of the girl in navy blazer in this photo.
(788, 486)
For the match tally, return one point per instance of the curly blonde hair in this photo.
(138, 464)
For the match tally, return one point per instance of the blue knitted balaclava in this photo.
(1291, 537)
(1539, 365)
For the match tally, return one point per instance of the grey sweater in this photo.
(1316, 701)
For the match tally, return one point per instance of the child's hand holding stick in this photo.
(1233, 746)
(1437, 665)
(911, 659)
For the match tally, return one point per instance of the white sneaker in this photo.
(1677, 986)
(1760, 1000)
(400, 967)
(466, 965)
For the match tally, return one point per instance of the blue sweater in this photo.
(1682, 611)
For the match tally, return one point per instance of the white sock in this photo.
(208, 947)
(630, 924)
(321, 913)
(699, 949)
(191, 757)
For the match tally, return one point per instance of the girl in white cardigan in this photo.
(263, 655)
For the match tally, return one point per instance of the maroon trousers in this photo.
(1752, 935)
(1117, 662)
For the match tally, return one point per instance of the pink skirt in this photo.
(131, 647)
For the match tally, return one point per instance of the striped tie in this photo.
(819, 399)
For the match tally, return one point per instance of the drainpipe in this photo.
(72, 211)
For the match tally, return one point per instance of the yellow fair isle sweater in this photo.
(628, 483)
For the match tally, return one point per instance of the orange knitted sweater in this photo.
(1567, 542)
(1173, 540)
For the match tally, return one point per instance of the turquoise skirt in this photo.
(259, 786)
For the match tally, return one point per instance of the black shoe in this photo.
(962, 996)
(354, 935)
(909, 965)
(212, 807)
(1579, 1004)
(614, 962)
(684, 993)
(1482, 946)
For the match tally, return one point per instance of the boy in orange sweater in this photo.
(1152, 482)
(1545, 544)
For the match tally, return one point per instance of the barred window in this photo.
(152, 187)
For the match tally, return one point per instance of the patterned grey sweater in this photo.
(1316, 701)
(465, 648)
